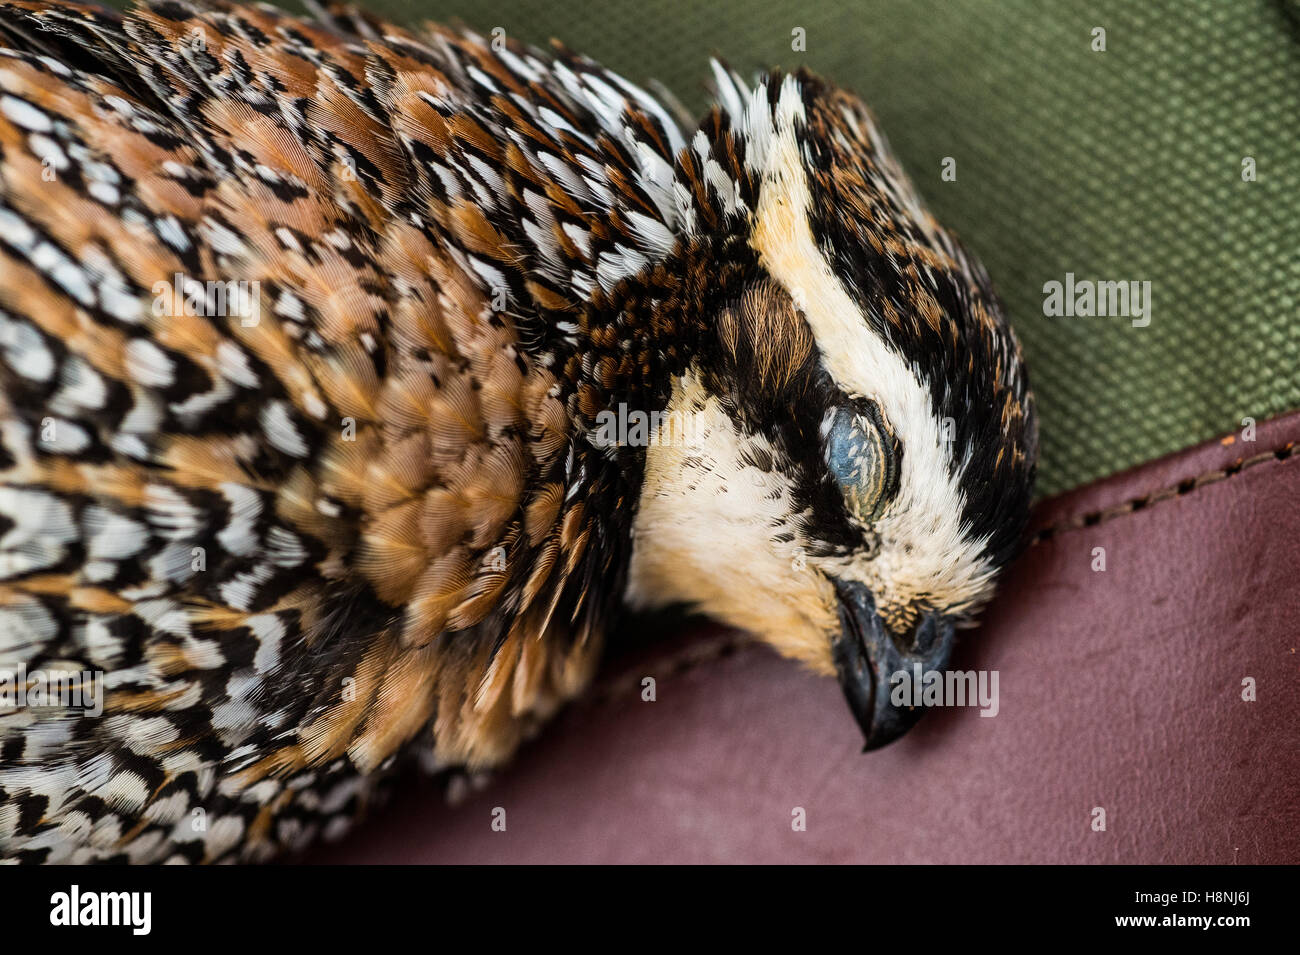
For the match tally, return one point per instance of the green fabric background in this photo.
(1114, 166)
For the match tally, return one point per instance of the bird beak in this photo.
(867, 656)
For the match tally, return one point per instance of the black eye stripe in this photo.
(792, 422)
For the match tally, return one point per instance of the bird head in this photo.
(847, 462)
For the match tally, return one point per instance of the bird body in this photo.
(306, 329)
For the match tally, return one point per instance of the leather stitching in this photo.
(1182, 489)
(629, 683)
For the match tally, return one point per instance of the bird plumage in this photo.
(304, 330)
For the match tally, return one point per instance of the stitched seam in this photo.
(1183, 488)
(666, 668)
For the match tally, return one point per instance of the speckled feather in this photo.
(351, 519)
(398, 545)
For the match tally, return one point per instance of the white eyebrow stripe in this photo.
(927, 512)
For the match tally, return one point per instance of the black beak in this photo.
(868, 657)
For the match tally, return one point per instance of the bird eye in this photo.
(863, 458)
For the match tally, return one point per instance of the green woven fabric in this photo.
(1116, 165)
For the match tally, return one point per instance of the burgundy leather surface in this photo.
(1119, 689)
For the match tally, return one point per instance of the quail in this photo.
(356, 381)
